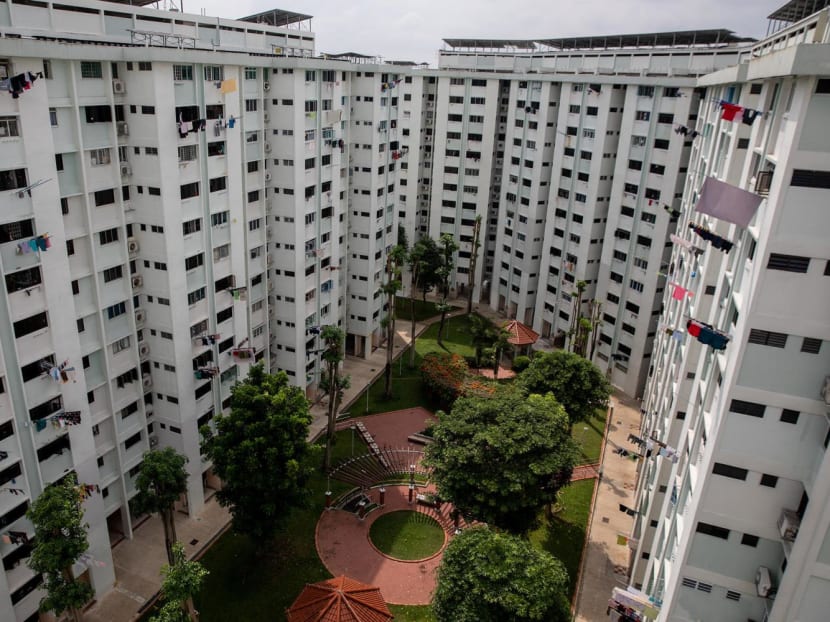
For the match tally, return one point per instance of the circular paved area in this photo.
(344, 547)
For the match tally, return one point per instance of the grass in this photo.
(424, 310)
(564, 535)
(407, 388)
(412, 613)
(407, 535)
(590, 440)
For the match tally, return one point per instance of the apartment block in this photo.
(731, 510)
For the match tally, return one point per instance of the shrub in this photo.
(521, 363)
(447, 376)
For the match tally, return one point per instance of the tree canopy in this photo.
(501, 459)
(182, 580)
(576, 382)
(160, 482)
(260, 452)
(425, 260)
(60, 539)
(487, 576)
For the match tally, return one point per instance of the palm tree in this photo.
(481, 332)
(394, 261)
(448, 246)
(333, 338)
(501, 342)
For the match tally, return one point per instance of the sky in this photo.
(413, 30)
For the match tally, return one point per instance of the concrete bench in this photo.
(420, 439)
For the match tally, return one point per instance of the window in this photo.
(91, 70)
(214, 74)
(218, 219)
(767, 338)
(8, 127)
(99, 157)
(145, 66)
(811, 179)
(107, 237)
(190, 190)
(642, 115)
(218, 183)
(188, 153)
(116, 310)
(111, 274)
(250, 105)
(789, 416)
(788, 263)
(182, 72)
(191, 226)
(811, 345)
(747, 408)
(729, 471)
(665, 117)
(191, 263)
(197, 295)
(749, 540)
(250, 73)
(53, 117)
(104, 197)
(30, 324)
(770, 481)
(711, 530)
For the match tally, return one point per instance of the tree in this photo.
(394, 263)
(487, 576)
(60, 539)
(447, 248)
(181, 582)
(576, 314)
(332, 382)
(471, 275)
(527, 437)
(481, 333)
(260, 452)
(500, 339)
(429, 257)
(576, 382)
(161, 481)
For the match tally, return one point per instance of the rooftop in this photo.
(796, 10)
(677, 38)
(275, 17)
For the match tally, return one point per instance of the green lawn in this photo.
(590, 440)
(564, 536)
(413, 613)
(423, 309)
(407, 389)
(407, 535)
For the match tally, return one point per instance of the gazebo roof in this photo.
(521, 335)
(339, 600)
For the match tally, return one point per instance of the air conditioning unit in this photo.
(140, 316)
(763, 582)
(146, 381)
(126, 169)
(266, 87)
(154, 441)
(267, 175)
(137, 281)
(118, 87)
(266, 117)
(788, 525)
(123, 128)
(144, 350)
(132, 245)
(825, 390)
(267, 147)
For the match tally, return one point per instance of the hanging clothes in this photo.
(727, 202)
(231, 122)
(682, 130)
(707, 334)
(675, 213)
(679, 292)
(749, 115)
(722, 244)
(730, 111)
(680, 241)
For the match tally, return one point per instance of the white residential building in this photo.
(584, 163)
(736, 526)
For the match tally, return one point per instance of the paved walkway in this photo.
(344, 547)
(605, 563)
(392, 429)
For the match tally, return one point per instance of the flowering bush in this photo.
(447, 377)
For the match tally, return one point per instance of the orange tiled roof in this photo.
(521, 335)
(339, 600)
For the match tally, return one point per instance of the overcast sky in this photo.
(413, 30)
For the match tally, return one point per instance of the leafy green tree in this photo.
(447, 247)
(394, 264)
(161, 480)
(60, 539)
(501, 459)
(181, 582)
(422, 270)
(487, 576)
(260, 452)
(576, 382)
(332, 382)
(500, 343)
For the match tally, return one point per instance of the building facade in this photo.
(731, 515)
